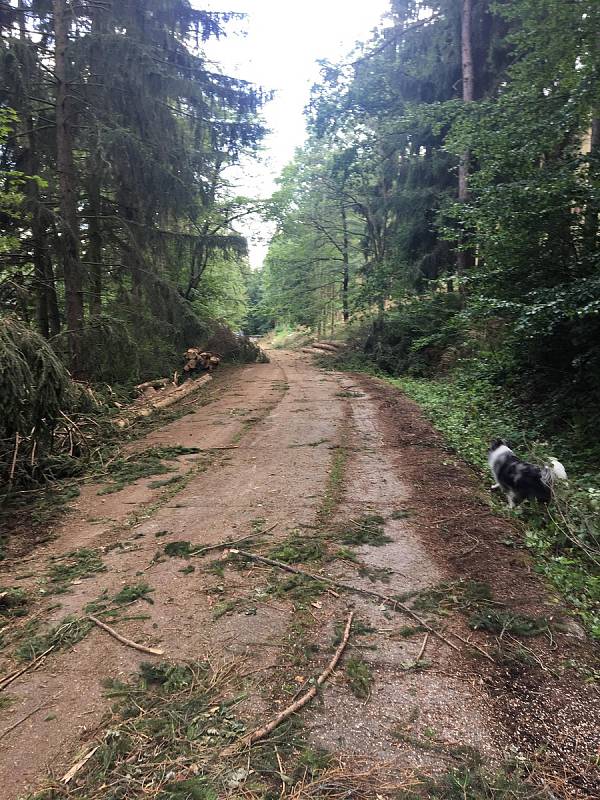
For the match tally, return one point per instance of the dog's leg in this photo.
(511, 500)
(494, 487)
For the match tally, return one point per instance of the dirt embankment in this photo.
(348, 472)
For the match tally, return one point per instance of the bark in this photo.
(465, 257)
(67, 184)
(94, 181)
(47, 316)
(593, 210)
(346, 267)
(95, 239)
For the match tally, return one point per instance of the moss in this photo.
(334, 487)
(174, 479)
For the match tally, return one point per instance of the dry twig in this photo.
(265, 730)
(14, 675)
(368, 593)
(21, 721)
(153, 651)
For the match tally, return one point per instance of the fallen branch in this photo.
(14, 458)
(396, 604)
(224, 545)
(162, 402)
(21, 721)
(153, 651)
(265, 730)
(422, 650)
(14, 675)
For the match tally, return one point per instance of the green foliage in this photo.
(418, 335)
(66, 634)
(13, 602)
(366, 530)
(566, 539)
(170, 720)
(129, 594)
(150, 132)
(78, 564)
(297, 549)
(501, 622)
(359, 677)
(475, 783)
(129, 469)
(34, 388)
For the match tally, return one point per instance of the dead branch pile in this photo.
(153, 400)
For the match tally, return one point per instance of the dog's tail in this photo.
(557, 470)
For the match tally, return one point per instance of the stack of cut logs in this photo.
(197, 360)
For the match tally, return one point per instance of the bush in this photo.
(419, 338)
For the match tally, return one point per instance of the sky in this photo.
(278, 49)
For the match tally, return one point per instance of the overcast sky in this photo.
(282, 41)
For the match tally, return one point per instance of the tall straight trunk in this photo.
(95, 170)
(48, 320)
(465, 257)
(94, 250)
(592, 211)
(67, 184)
(345, 266)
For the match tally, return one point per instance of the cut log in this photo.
(159, 383)
(164, 401)
(326, 346)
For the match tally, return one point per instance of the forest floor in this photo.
(342, 477)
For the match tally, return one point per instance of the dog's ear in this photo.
(496, 443)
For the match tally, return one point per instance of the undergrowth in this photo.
(476, 783)
(565, 538)
(469, 410)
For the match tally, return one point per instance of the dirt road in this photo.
(340, 476)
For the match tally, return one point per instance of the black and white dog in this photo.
(520, 480)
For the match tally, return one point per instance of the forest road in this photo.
(342, 476)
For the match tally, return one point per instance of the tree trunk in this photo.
(346, 267)
(593, 210)
(94, 177)
(465, 257)
(94, 250)
(67, 184)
